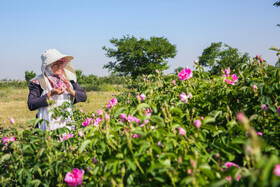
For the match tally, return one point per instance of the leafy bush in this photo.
(196, 131)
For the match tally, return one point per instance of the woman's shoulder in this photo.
(35, 80)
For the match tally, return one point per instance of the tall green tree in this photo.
(277, 3)
(29, 75)
(139, 56)
(219, 56)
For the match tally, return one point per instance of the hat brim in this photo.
(66, 58)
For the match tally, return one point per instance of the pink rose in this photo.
(12, 120)
(184, 97)
(173, 82)
(123, 117)
(80, 133)
(86, 122)
(197, 123)
(255, 87)
(107, 117)
(228, 165)
(259, 133)
(142, 96)
(75, 178)
(182, 131)
(185, 74)
(97, 122)
(99, 112)
(234, 78)
(227, 71)
(264, 106)
(5, 140)
(277, 170)
(12, 139)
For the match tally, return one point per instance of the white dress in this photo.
(44, 113)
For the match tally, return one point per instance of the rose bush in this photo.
(156, 135)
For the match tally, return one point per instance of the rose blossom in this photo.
(80, 133)
(228, 165)
(185, 74)
(255, 87)
(142, 96)
(107, 117)
(264, 106)
(227, 71)
(75, 178)
(98, 120)
(123, 117)
(184, 97)
(99, 112)
(12, 120)
(112, 103)
(86, 122)
(197, 123)
(276, 170)
(182, 131)
(173, 82)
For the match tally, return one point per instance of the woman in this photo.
(57, 83)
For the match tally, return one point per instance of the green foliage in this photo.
(12, 84)
(177, 70)
(29, 75)
(94, 83)
(278, 55)
(219, 56)
(277, 3)
(150, 151)
(139, 57)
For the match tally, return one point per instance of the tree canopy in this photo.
(277, 3)
(220, 56)
(139, 56)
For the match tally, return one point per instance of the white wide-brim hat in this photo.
(52, 55)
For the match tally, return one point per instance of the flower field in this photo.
(190, 129)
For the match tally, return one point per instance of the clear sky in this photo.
(82, 27)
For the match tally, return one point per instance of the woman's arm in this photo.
(35, 100)
(80, 94)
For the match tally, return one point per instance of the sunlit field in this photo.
(13, 104)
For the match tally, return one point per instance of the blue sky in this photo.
(82, 28)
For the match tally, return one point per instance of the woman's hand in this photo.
(55, 91)
(68, 89)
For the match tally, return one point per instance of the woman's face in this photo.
(57, 67)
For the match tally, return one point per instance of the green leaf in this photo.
(5, 157)
(209, 127)
(177, 111)
(84, 145)
(143, 105)
(238, 140)
(209, 119)
(131, 164)
(119, 111)
(158, 120)
(206, 169)
(35, 182)
(218, 183)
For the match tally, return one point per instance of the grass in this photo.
(13, 104)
